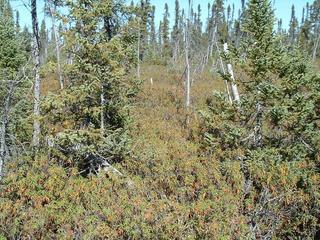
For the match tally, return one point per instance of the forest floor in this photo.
(163, 127)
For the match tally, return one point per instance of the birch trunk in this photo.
(56, 41)
(234, 87)
(37, 80)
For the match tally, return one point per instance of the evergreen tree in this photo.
(176, 31)
(18, 22)
(293, 28)
(44, 42)
(219, 20)
(93, 109)
(26, 39)
(12, 88)
(165, 31)
(272, 135)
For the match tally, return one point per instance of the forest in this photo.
(201, 124)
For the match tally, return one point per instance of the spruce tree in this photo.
(165, 32)
(272, 136)
(91, 113)
(13, 89)
(293, 27)
(176, 32)
(44, 42)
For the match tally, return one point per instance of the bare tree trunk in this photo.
(210, 44)
(234, 88)
(224, 72)
(315, 49)
(52, 8)
(3, 129)
(37, 80)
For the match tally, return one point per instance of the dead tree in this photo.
(234, 87)
(224, 72)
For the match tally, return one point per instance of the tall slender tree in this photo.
(165, 31)
(37, 80)
(293, 27)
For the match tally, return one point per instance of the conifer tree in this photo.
(165, 31)
(44, 42)
(93, 108)
(176, 31)
(153, 37)
(273, 129)
(12, 57)
(160, 42)
(293, 26)
(315, 22)
(18, 21)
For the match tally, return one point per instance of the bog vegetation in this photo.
(114, 126)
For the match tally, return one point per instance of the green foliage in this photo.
(273, 133)
(89, 118)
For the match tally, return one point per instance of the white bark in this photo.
(210, 44)
(37, 80)
(234, 87)
(224, 72)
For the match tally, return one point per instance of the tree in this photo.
(44, 41)
(272, 136)
(153, 35)
(315, 21)
(293, 26)
(18, 22)
(176, 31)
(37, 80)
(51, 8)
(93, 108)
(12, 57)
(165, 31)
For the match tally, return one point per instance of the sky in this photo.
(282, 8)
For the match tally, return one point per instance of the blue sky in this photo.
(282, 7)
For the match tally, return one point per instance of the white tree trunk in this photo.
(234, 87)
(37, 80)
(224, 72)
